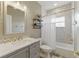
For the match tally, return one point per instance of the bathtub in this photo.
(65, 46)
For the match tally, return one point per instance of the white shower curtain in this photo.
(48, 32)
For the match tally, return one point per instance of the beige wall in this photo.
(33, 8)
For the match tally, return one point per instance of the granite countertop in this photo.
(10, 47)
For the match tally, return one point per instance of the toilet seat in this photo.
(45, 48)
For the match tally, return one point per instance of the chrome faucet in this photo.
(19, 37)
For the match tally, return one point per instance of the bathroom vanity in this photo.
(26, 48)
(13, 20)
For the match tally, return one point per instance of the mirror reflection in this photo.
(14, 20)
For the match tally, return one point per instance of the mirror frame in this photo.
(2, 17)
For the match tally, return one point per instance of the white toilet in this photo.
(45, 50)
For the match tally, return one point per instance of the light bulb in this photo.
(24, 7)
(55, 4)
(18, 3)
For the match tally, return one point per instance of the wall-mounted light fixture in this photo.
(17, 5)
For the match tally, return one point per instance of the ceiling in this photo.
(47, 5)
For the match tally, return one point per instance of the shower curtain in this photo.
(48, 32)
(58, 28)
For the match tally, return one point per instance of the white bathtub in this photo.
(65, 46)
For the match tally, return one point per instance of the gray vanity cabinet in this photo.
(21, 54)
(31, 51)
(35, 50)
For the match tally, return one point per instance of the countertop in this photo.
(10, 47)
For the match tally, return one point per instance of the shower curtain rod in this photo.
(62, 10)
(58, 12)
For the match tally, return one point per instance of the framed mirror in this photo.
(1, 18)
(14, 18)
